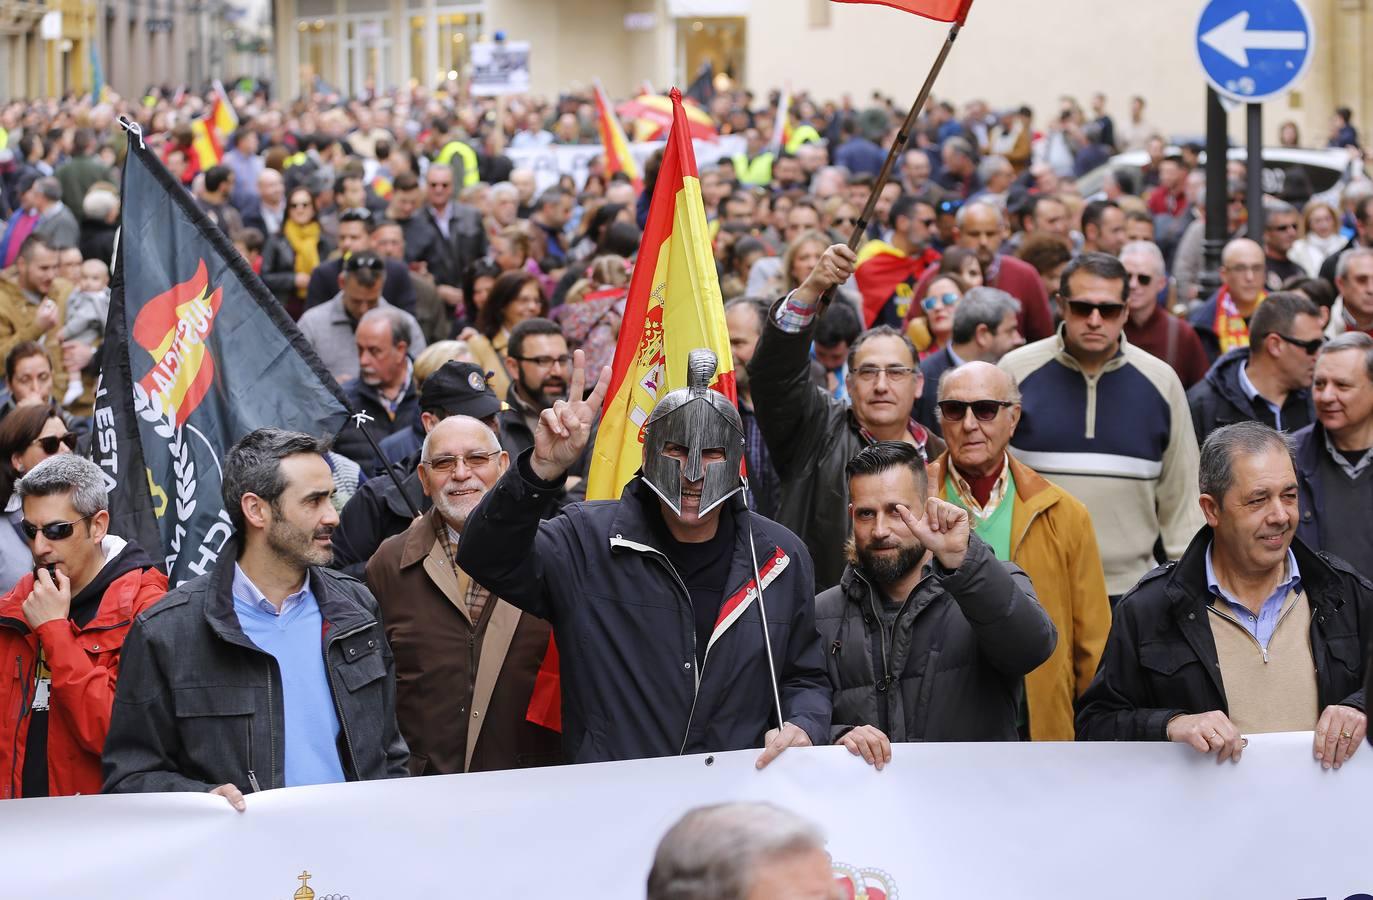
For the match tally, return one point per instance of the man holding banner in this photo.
(653, 597)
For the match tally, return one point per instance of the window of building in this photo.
(439, 45)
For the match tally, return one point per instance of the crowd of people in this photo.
(1017, 469)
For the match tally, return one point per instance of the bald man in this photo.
(1032, 523)
(1222, 322)
(981, 228)
(465, 661)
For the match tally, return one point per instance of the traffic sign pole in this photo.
(1217, 193)
(1254, 172)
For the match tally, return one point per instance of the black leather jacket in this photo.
(199, 705)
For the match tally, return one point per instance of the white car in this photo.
(1325, 170)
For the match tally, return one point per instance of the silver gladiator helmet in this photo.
(699, 419)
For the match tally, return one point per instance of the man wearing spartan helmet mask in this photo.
(653, 597)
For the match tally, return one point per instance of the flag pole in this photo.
(861, 226)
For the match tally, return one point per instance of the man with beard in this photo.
(929, 635)
(1287, 626)
(456, 645)
(271, 670)
(654, 598)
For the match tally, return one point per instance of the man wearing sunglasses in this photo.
(1281, 228)
(466, 660)
(1027, 520)
(1152, 328)
(62, 630)
(1270, 380)
(1109, 423)
(355, 227)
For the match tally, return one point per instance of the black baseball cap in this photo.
(459, 389)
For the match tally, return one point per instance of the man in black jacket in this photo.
(811, 435)
(270, 671)
(384, 389)
(929, 635)
(1249, 632)
(1270, 380)
(653, 598)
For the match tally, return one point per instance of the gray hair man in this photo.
(1287, 626)
(1148, 325)
(742, 851)
(63, 626)
(986, 326)
(460, 650)
(293, 650)
(1335, 454)
(1353, 311)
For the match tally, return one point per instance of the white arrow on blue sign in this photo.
(1254, 50)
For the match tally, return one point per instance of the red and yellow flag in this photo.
(617, 155)
(939, 10)
(673, 308)
(222, 115)
(209, 150)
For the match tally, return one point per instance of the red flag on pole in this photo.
(939, 10)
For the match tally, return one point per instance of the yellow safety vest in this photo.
(470, 175)
(805, 134)
(756, 172)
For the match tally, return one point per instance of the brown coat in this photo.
(462, 688)
(1053, 541)
(18, 323)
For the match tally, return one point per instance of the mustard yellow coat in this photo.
(1053, 541)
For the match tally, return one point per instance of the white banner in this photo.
(500, 68)
(551, 162)
(1024, 821)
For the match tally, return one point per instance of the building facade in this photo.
(45, 47)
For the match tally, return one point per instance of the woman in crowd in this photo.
(28, 435)
(932, 326)
(289, 257)
(1050, 255)
(1320, 237)
(515, 296)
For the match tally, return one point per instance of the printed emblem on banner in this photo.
(476, 382)
(857, 883)
(173, 327)
(305, 892)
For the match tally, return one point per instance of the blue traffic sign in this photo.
(1253, 50)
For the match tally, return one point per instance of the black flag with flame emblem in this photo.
(197, 354)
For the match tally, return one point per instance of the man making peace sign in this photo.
(653, 597)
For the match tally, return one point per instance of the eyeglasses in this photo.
(983, 410)
(1142, 279)
(893, 373)
(547, 362)
(356, 214)
(53, 531)
(363, 261)
(1290, 226)
(1312, 347)
(475, 461)
(847, 221)
(51, 442)
(929, 303)
(1083, 309)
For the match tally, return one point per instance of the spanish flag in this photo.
(222, 115)
(781, 126)
(886, 277)
(673, 307)
(939, 10)
(617, 155)
(206, 143)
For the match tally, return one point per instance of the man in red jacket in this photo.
(64, 629)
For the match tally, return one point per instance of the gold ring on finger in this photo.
(1346, 735)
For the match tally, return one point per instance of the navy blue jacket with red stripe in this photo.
(625, 628)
